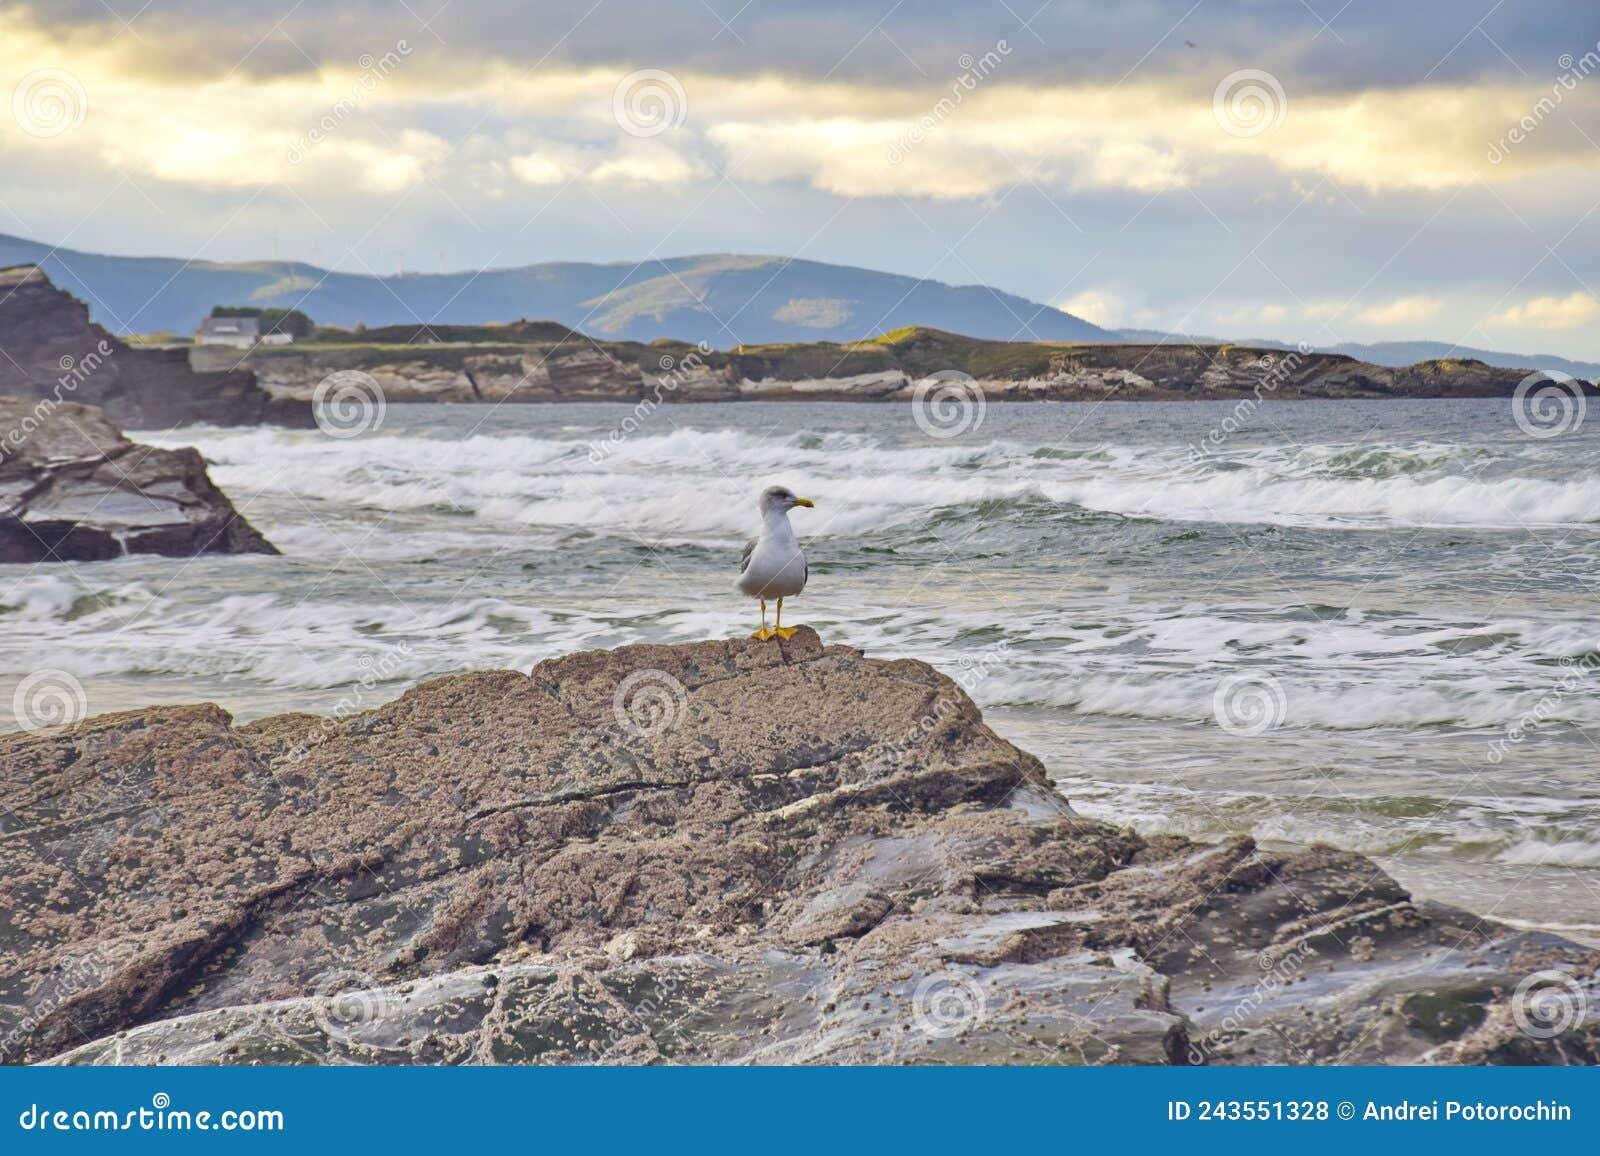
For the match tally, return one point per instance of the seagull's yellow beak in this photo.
(806, 502)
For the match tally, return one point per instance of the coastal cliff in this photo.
(723, 851)
(537, 363)
(55, 352)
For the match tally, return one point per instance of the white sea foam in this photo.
(1258, 496)
(1346, 671)
(38, 596)
(866, 485)
(1572, 852)
(1374, 702)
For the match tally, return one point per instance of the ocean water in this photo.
(1366, 623)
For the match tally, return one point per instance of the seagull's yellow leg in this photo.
(782, 631)
(763, 634)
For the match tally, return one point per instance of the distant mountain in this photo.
(1411, 352)
(1391, 353)
(722, 299)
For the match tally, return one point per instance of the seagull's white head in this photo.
(780, 500)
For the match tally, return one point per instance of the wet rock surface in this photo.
(712, 852)
(72, 488)
(54, 351)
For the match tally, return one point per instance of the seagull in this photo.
(773, 566)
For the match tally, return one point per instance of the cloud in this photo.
(934, 139)
(1141, 137)
(1233, 318)
(1401, 311)
(855, 157)
(538, 169)
(1377, 44)
(1569, 312)
(1096, 307)
(644, 165)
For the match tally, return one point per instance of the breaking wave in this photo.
(864, 484)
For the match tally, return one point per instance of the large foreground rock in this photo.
(53, 350)
(723, 851)
(72, 488)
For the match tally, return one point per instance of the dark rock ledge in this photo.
(714, 852)
(54, 351)
(72, 488)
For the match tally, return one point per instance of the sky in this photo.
(1321, 170)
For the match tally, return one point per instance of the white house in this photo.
(239, 332)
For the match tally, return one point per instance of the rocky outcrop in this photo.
(446, 373)
(713, 852)
(72, 488)
(53, 351)
(1178, 371)
(889, 368)
(1172, 372)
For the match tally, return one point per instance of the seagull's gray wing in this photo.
(744, 559)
